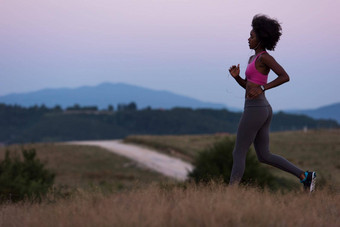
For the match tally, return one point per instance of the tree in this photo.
(110, 108)
(24, 179)
(57, 108)
(132, 106)
(74, 107)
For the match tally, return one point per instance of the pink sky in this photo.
(180, 46)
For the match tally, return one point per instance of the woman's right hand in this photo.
(234, 70)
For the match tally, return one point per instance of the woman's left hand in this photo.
(254, 92)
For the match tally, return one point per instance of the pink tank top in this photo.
(253, 75)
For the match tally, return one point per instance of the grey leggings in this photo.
(254, 128)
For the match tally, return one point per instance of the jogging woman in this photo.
(257, 115)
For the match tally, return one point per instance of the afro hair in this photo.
(267, 30)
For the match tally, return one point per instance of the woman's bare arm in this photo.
(282, 76)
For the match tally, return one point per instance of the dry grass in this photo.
(317, 150)
(157, 204)
(185, 147)
(186, 205)
(86, 167)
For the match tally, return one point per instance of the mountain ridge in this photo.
(106, 94)
(331, 111)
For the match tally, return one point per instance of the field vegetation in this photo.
(94, 187)
(87, 168)
(317, 150)
(180, 205)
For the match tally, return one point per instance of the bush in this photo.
(27, 179)
(215, 163)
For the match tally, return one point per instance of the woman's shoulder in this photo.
(251, 58)
(267, 59)
(265, 56)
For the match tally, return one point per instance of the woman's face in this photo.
(252, 40)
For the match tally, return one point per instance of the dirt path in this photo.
(164, 164)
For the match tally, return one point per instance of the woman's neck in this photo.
(259, 50)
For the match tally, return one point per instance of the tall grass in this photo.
(185, 205)
(317, 150)
(86, 167)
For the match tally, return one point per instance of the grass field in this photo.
(109, 190)
(87, 167)
(186, 205)
(317, 150)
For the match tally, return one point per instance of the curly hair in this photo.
(267, 30)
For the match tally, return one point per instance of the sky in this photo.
(182, 46)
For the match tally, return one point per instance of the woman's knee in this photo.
(264, 158)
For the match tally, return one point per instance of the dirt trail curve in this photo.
(162, 163)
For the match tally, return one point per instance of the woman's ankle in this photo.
(302, 176)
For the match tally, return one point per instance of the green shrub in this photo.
(215, 163)
(27, 179)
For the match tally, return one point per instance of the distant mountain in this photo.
(106, 94)
(325, 112)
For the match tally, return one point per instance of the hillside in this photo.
(41, 124)
(325, 112)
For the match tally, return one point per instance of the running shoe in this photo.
(309, 181)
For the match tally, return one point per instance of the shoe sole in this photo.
(313, 183)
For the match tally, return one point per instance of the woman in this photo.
(257, 115)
